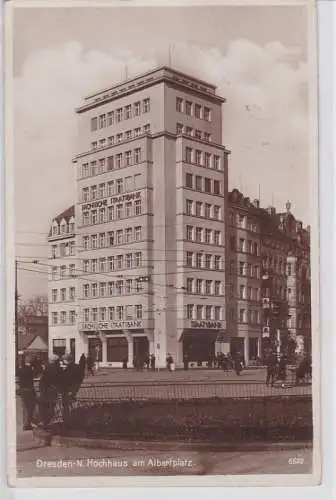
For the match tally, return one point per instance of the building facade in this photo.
(156, 256)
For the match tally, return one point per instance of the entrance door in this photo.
(198, 348)
(140, 348)
(236, 345)
(95, 349)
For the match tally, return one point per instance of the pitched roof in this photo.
(67, 214)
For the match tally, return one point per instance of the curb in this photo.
(117, 444)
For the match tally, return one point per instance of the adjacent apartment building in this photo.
(165, 260)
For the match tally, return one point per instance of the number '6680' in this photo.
(296, 461)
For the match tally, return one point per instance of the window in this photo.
(128, 235)
(138, 259)
(110, 163)
(54, 251)
(256, 272)
(189, 259)
(241, 245)
(207, 211)
(179, 128)
(218, 313)
(216, 212)
(217, 235)
(63, 294)
(110, 140)
(94, 145)
(128, 261)
(102, 215)
(119, 287)
(137, 132)
(207, 159)
(54, 318)
(198, 157)
(111, 263)
(128, 286)
(289, 269)
(216, 162)
(199, 232)
(111, 288)
(208, 236)
(119, 211)
(217, 287)
(198, 183)
(128, 135)
(128, 111)
(86, 314)
(198, 260)
(94, 265)
(199, 312)
(242, 292)
(138, 311)
(137, 206)
(94, 290)
(85, 170)
(208, 285)
(94, 217)
(207, 136)
(102, 143)
(137, 181)
(111, 313)
(102, 289)
(110, 118)
(63, 271)
(101, 190)
(102, 121)
(137, 155)
(120, 261)
(94, 241)
(189, 207)
(137, 233)
(147, 128)
(189, 285)
(179, 104)
(72, 293)
(188, 109)
(102, 265)
(85, 194)
(189, 233)
(86, 242)
(198, 110)
(207, 185)
(119, 138)
(208, 261)
(199, 286)
(189, 181)
(217, 262)
(54, 295)
(188, 155)
(242, 315)
(118, 115)
(207, 114)
(189, 131)
(94, 314)
(216, 187)
(190, 311)
(136, 108)
(146, 105)
(119, 186)
(198, 134)
(86, 291)
(119, 234)
(102, 165)
(208, 312)
(94, 124)
(93, 192)
(102, 313)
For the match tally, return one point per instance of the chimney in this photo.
(256, 203)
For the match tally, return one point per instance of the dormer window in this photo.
(55, 229)
(63, 228)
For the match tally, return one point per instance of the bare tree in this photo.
(35, 306)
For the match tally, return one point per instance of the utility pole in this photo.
(16, 317)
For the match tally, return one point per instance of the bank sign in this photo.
(112, 201)
(206, 324)
(112, 325)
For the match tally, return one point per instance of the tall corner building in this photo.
(152, 194)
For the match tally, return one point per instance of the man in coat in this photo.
(25, 378)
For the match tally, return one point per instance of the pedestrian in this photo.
(238, 363)
(170, 362)
(50, 386)
(282, 370)
(186, 362)
(152, 362)
(25, 376)
(90, 364)
(271, 363)
(147, 361)
(82, 362)
(125, 364)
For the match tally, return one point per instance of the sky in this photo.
(257, 57)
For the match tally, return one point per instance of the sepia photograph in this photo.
(162, 244)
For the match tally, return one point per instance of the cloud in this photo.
(265, 119)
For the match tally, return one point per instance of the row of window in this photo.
(276, 264)
(63, 228)
(120, 211)
(63, 272)
(200, 209)
(244, 246)
(204, 312)
(118, 115)
(204, 287)
(63, 294)
(111, 188)
(245, 269)
(249, 316)
(200, 260)
(243, 222)
(203, 184)
(200, 235)
(111, 263)
(249, 293)
(113, 238)
(63, 250)
(193, 109)
(113, 313)
(202, 159)
(113, 162)
(63, 318)
(112, 288)
(121, 137)
(189, 131)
